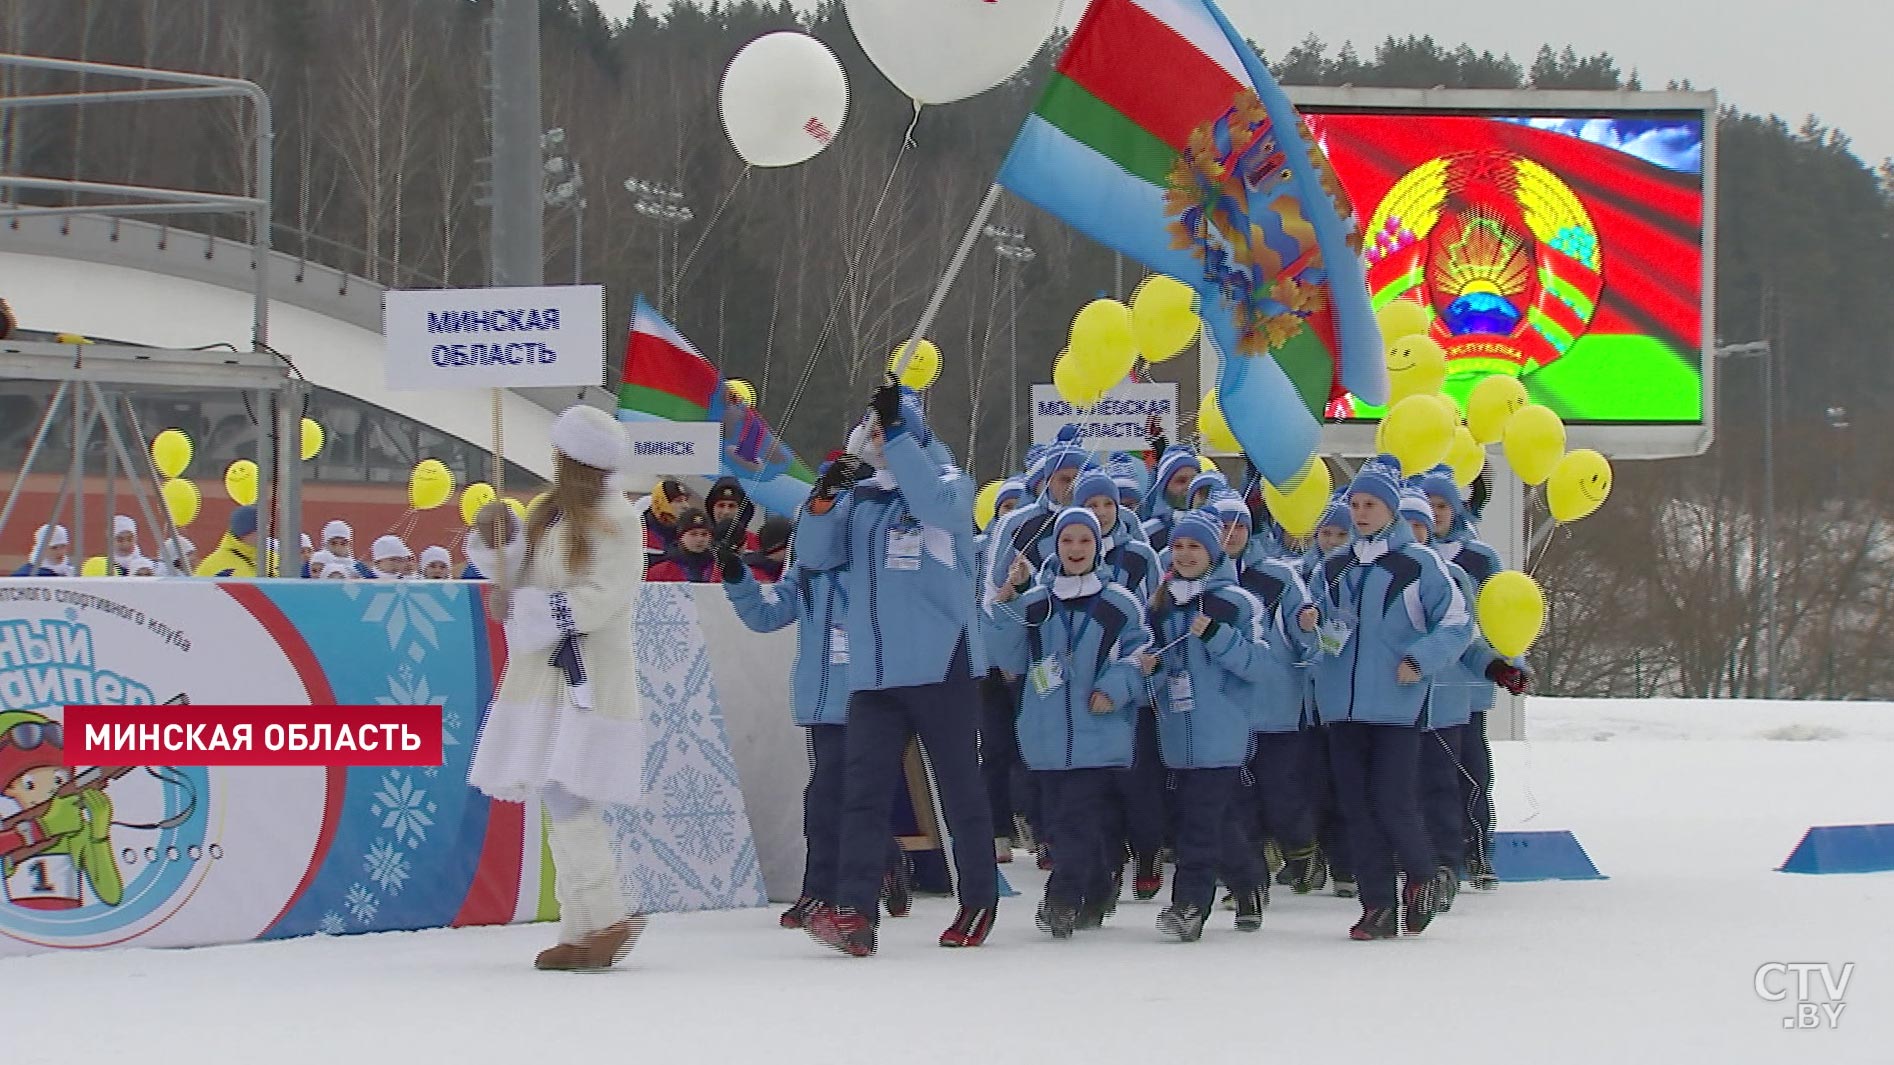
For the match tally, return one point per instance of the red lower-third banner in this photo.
(242, 735)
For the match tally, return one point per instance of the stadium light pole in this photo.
(1011, 247)
(1765, 355)
(665, 205)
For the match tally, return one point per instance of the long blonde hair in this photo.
(576, 495)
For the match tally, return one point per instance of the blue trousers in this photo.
(1137, 796)
(1476, 790)
(1285, 796)
(880, 724)
(1375, 768)
(1330, 825)
(1210, 840)
(1078, 802)
(999, 747)
(1440, 795)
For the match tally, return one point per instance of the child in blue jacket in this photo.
(1074, 636)
(1391, 620)
(1209, 657)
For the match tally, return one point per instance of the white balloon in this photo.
(939, 51)
(784, 99)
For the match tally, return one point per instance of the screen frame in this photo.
(1620, 440)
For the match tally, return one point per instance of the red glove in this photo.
(1509, 677)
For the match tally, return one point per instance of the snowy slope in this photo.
(1656, 964)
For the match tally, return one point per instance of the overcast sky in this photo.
(1789, 57)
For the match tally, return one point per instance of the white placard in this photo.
(1115, 423)
(494, 337)
(674, 448)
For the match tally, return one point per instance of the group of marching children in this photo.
(1177, 676)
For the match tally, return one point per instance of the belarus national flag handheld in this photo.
(1163, 137)
(666, 379)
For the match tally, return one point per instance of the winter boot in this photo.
(1306, 869)
(595, 953)
(1273, 859)
(1183, 923)
(843, 929)
(1249, 909)
(1002, 849)
(1058, 918)
(1375, 924)
(1417, 905)
(1045, 858)
(1023, 834)
(969, 929)
(897, 888)
(1092, 916)
(1446, 889)
(1148, 880)
(797, 916)
(1480, 874)
(1344, 885)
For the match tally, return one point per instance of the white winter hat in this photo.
(168, 551)
(337, 528)
(320, 561)
(306, 544)
(390, 547)
(590, 437)
(435, 554)
(139, 562)
(123, 524)
(52, 536)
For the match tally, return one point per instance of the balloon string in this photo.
(677, 280)
(908, 137)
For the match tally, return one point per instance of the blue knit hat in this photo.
(1380, 478)
(1439, 482)
(1209, 479)
(1337, 516)
(1076, 516)
(1175, 458)
(1414, 507)
(1231, 509)
(1094, 483)
(1010, 489)
(1203, 527)
(243, 521)
(1063, 457)
(1130, 494)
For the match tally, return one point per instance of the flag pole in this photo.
(947, 280)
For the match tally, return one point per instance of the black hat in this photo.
(774, 535)
(692, 520)
(726, 490)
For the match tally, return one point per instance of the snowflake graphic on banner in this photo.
(332, 924)
(405, 809)
(387, 866)
(700, 814)
(404, 607)
(406, 689)
(362, 904)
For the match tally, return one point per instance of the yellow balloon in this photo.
(1074, 386)
(429, 485)
(312, 439)
(1163, 317)
(1511, 610)
(240, 482)
(743, 390)
(518, 508)
(1103, 344)
(922, 370)
(1491, 404)
(1418, 431)
(94, 567)
(1403, 318)
(1466, 456)
(1417, 366)
(985, 502)
(181, 500)
(476, 495)
(1535, 439)
(171, 452)
(1214, 428)
(1579, 485)
(1301, 508)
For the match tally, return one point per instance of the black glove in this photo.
(887, 407)
(1509, 677)
(729, 565)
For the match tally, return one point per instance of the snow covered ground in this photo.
(1657, 964)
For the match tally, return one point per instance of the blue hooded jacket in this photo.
(1400, 603)
(813, 602)
(1282, 694)
(1461, 547)
(903, 557)
(1219, 672)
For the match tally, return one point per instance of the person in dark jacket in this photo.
(670, 499)
(731, 513)
(771, 555)
(693, 558)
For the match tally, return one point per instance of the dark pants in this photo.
(1476, 791)
(1331, 827)
(880, 724)
(1284, 796)
(1375, 768)
(1209, 840)
(822, 812)
(999, 748)
(1440, 795)
(1077, 802)
(1137, 796)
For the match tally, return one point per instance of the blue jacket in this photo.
(1094, 638)
(1223, 673)
(1282, 694)
(1400, 603)
(909, 612)
(813, 602)
(1479, 562)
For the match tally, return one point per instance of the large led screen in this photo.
(1567, 251)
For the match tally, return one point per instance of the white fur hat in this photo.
(436, 553)
(590, 437)
(168, 549)
(320, 561)
(390, 547)
(52, 536)
(337, 528)
(123, 524)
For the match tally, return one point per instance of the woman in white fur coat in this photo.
(565, 725)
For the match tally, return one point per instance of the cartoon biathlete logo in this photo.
(59, 845)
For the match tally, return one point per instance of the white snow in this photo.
(1656, 964)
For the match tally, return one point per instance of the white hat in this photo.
(387, 547)
(123, 524)
(319, 561)
(306, 544)
(434, 554)
(590, 437)
(137, 562)
(51, 536)
(337, 528)
(168, 552)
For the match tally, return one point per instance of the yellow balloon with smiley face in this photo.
(1417, 366)
(1579, 485)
